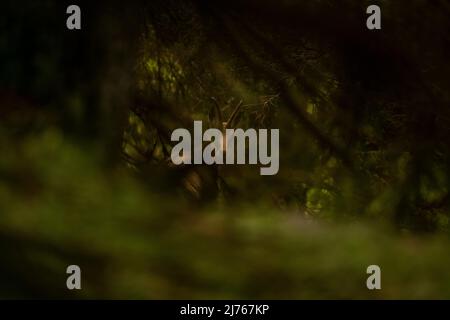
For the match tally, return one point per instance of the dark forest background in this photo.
(85, 172)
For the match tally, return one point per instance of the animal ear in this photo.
(215, 114)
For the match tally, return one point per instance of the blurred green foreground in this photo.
(131, 243)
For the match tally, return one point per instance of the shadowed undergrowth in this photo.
(132, 241)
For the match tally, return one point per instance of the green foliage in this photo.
(132, 242)
(85, 124)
